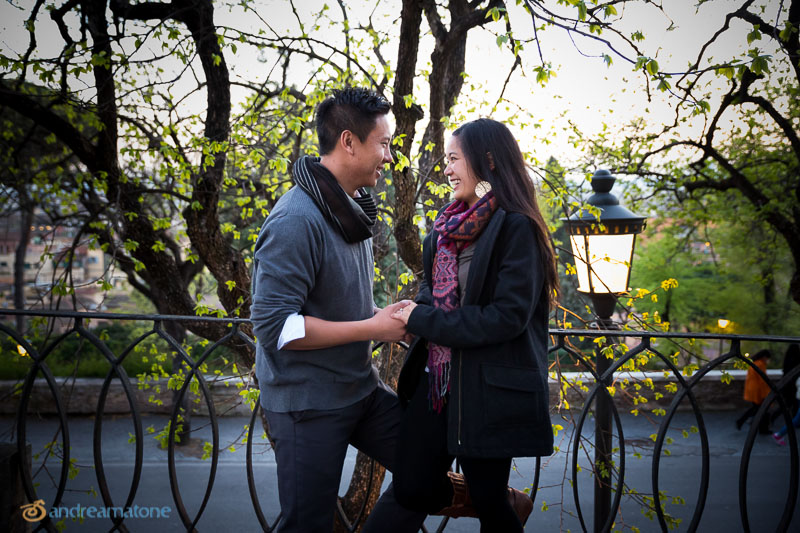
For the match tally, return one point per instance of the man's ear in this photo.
(346, 141)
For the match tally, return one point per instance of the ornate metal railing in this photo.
(598, 395)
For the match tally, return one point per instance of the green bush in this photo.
(77, 356)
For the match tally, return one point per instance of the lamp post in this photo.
(722, 323)
(603, 252)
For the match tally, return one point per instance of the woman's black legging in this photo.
(420, 474)
(763, 427)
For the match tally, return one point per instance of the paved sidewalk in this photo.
(230, 507)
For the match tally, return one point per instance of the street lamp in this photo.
(603, 251)
(603, 248)
(722, 323)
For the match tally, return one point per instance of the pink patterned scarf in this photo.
(458, 227)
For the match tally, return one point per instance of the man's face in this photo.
(371, 156)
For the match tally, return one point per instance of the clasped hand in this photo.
(390, 322)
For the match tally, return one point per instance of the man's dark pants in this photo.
(310, 447)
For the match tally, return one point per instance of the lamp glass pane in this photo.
(608, 259)
(581, 264)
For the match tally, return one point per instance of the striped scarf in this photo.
(353, 217)
(458, 227)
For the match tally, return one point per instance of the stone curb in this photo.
(80, 395)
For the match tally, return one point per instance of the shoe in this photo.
(780, 441)
(462, 503)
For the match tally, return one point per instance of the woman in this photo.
(475, 380)
(778, 435)
(755, 391)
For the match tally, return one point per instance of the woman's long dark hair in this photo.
(761, 354)
(487, 143)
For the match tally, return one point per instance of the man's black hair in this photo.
(351, 108)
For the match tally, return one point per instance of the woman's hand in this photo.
(404, 312)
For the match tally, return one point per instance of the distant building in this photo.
(47, 260)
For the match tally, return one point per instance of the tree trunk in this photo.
(178, 332)
(365, 484)
(409, 247)
(406, 233)
(25, 220)
(445, 85)
(447, 61)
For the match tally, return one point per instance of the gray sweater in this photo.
(303, 265)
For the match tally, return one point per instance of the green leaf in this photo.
(760, 64)
(544, 73)
(402, 162)
(787, 31)
(754, 35)
(208, 449)
(582, 11)
(728, 72)
(495, 13)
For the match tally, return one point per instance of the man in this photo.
(313, 315)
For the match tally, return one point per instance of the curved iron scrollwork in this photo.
(685, 391)
(597, 393)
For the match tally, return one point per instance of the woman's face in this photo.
(460, 174)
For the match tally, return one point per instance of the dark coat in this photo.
(498, 404)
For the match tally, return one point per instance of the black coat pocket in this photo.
(513, 396)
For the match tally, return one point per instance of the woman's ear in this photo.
(491, 160)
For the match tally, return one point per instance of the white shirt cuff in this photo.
(294, 328)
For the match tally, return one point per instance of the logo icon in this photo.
(33, 512)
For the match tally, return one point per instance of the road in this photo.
(230, 507)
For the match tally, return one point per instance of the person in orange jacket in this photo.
(755, 391)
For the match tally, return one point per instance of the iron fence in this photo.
(563, 344)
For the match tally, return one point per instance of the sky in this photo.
(584, 91)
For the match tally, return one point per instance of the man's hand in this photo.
(387, 329)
